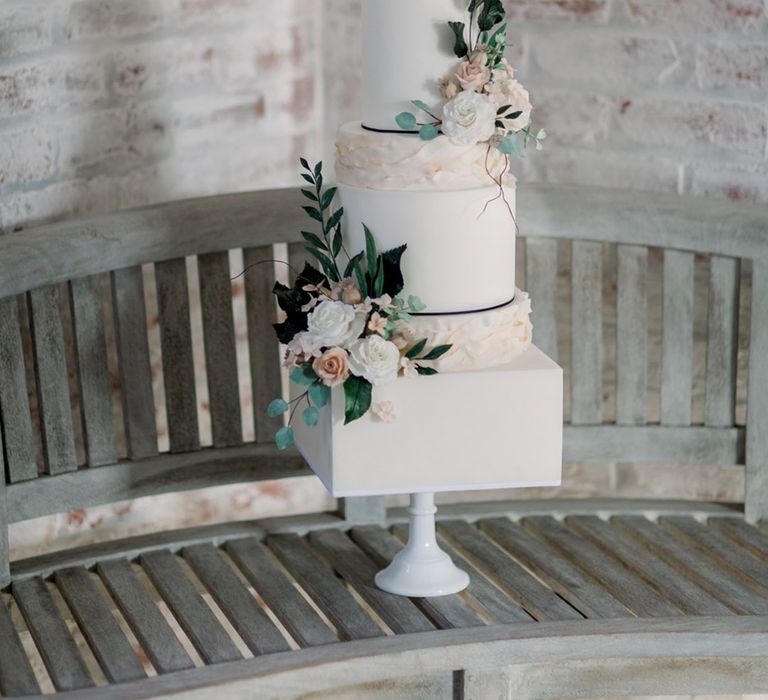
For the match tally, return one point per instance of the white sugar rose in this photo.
(505, 90)
(468, 118)
(374, 359)
(334, 323)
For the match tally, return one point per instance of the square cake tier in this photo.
(460, 431)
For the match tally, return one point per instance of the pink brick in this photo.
(572, 118)
(108, 18)
(573, 10)
(700, 15)
(27, 156)
(738, 183)
(725, 67)
(728, 127)
(24, 29)
(189, 12)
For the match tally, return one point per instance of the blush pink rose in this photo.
(332, 366)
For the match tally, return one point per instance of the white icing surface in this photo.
(405, 162)
(407, 48)
(480, 340)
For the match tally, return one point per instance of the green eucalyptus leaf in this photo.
(415, 304)
(436, 352)
(426, 371)
(541, 135)
(350, 268)
(308, 178)
(360, 274)
(304, 164)
(371, 253)
(311, 416)
(277, 408)
(378, 280)
(357, 398)
(327, 198)
(284, 438)
(338, 242)
(334, 220)
(417, 349)
(428, 132)
(313, 238)
(510, 145)
(303, 374)
(503, 109)
(319, 394)
(423, 106)
(318, 169)
(314, 213)
(406, 121)
(460, 47)
(309, 195)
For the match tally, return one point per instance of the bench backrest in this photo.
(73, 305)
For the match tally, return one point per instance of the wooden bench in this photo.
(568, 598)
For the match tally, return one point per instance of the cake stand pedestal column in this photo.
(422, 569)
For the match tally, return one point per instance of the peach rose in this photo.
(473, 75)
(449, 88)
(332, 366)
(349, 292)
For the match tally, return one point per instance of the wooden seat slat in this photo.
(400, 614)
(155, 635)
(130, 316)
(220, 350)
(57, 648)
(236, 602)
(52, 382)
(562, 576)
(541, 283)
(93, 371)
(325, 589)
(16, 675)
(512, 578)
(15, 416)
(296, 614)
(682, 592)
(194, 615)
(178, 360)
(750, 538)
(107, 641)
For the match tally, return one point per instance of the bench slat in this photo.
(587, 333)
(720, 584)
(320, 582)
(15, 414)
(541, 281)
(677, 339)
(512, 578)
(16, 675)
(279, 593)
(683, 593)
(581, 591)
(93, 371)
(133, 360)
(107, 641)
(746, 536)
(264, 349)
(237, 603)
(400, 614)
(194, 615)
(722, 341)
(448, 611)
(220, 349)
(178, 361)
(144, 617)
(52, 382)
(58, 650)
(631, 334)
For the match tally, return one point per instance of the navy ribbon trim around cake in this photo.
(387, 131)
(471, 311)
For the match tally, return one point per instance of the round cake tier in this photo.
(407, 48)
(480, 340)
(406, 162)
(461, 243)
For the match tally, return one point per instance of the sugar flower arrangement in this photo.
(345, 321)
(484, 101)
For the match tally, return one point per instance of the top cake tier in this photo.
(406, 49)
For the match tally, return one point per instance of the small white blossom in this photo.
(378, 324)
(408, 367)
(384, 411)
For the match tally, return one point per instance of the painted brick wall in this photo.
(107, 104)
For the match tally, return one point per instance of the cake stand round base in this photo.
(422, 569)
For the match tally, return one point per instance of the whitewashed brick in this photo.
(738, 183)
(87, 19)
(572, 117)
(728, 67)
(25, 29)
(571, 10)
(28, 155)
(699, 15)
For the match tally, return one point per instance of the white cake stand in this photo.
(422, 569)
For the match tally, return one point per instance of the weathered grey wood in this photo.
(445, 611)
(16, 675)
(220, 351)
(5, 548)
(500, 607)
(756, 498)
(269, 581)
(527, 591)
(582, 592)
(743, 565)
(162, 474)
(234, 599)
(93, 371)
(15, 415)
(480, 685)
(743, 534)
(631, 334)
(722, 341)
(130, 316)
(178, 361)
(541, 283)
(152, 630)
(363, 509)
(586, 333)
(52, 382)
(107, 641)
(261, 308)
(62, 659)
(723, 586)
(400, 614)
(677, 339)
(319, 581)
(195, 617)
(679, 590)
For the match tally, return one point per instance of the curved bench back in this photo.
(73, 304)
